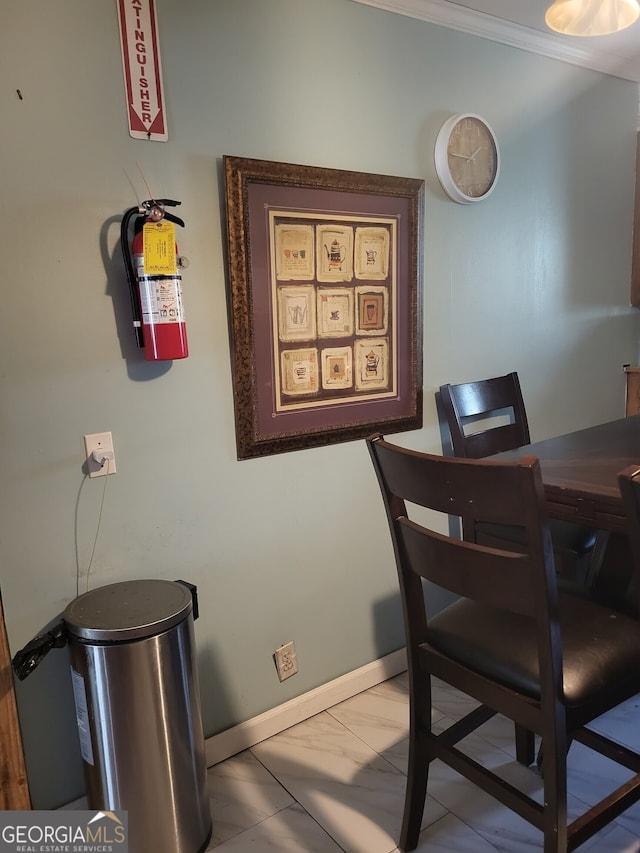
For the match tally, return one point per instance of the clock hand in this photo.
(464, 157)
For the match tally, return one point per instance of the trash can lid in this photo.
(130, 610)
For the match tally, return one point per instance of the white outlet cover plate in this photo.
(102, 441)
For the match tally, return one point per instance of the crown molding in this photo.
(574, 51)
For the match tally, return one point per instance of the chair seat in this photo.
(567, 538)
(600, 647)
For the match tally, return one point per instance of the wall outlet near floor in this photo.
(286, 660)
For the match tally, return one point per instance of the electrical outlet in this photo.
(102, 444)
(286, 660)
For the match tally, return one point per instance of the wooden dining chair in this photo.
(629, 482)
(549, 661)
(487, 417)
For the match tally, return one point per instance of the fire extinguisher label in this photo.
(161, 299)
(82, 716)
(159, 242)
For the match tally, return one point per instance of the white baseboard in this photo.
(244, 735)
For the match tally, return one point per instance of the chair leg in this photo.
(555, 795)
(420, 714)
(416, 792)
(540, 757)
(525, 746)
(593, 561)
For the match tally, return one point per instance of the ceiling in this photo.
(520, 23)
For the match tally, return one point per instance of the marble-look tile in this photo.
(630, 820)
(351, 791)
(499, 826)
(242, 794)
(379, 716)
(505, 830)
(592, 776)
(497, 735)
(401, 680)
(398, 755)
(622, 723)
(501, 733)
(289, 831)
(347, 768)
(398, 685)
(449, 701)
(612, 839)
(450, 835)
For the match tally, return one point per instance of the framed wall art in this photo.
(325, 304)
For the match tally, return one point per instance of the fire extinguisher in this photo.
(155, 282)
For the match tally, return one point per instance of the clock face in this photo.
(467, 158)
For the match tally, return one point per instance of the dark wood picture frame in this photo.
(325, 304)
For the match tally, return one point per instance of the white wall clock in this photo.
(467, 158)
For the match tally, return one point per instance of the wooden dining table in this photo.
(580, 474)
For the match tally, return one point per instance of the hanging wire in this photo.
(75, 533)
(95, 541)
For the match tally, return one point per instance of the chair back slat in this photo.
(481, 400)
(451, 486)
(500, 579)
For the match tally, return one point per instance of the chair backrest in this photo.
(476, 401)
(504, 493)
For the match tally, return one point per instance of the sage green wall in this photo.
(294, 546)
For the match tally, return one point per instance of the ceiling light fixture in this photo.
(591, 17)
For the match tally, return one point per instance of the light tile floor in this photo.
(336, 783)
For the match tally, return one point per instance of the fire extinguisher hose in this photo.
(131, 276)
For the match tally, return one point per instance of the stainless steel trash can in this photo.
(138, 711)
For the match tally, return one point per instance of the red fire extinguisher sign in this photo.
(142, 70)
